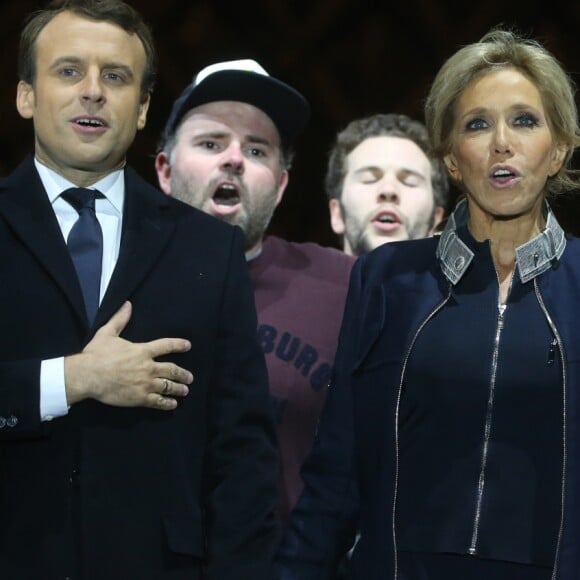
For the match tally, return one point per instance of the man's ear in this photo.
(437, 218)
(282, 184)
(336, 217)
(163, 168)
(25, 100)
(143, 108)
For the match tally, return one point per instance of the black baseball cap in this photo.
(248, 82)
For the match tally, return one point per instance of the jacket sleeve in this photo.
(241, 464)
(20, 399)
(323, 523)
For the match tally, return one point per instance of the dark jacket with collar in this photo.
(350, 476)
(108, 492)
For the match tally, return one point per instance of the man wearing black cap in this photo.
(226, 149)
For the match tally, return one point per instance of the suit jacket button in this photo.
(2, 422)
(12, 421)
(74, 476)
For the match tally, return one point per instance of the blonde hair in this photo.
(506, 49)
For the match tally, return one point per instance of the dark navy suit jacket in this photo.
(108, 492)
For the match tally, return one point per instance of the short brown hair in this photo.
(115, 11)
(499, 49)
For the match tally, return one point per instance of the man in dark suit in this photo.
(114, 462)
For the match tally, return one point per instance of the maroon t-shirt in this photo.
(300, 293)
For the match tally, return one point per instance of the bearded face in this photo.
(226, 162)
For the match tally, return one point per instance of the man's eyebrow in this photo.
(219, 134)
(259, 140)
(209, 134)
(65, 60)
(377, 169)
(373, 168)
(412, 171)
(119, 66)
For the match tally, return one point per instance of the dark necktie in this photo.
(85, 244)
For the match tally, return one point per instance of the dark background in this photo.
(350, 58)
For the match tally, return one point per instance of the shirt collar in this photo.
(112, 186)
(532, 258)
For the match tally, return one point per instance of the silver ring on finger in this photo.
(165, 390)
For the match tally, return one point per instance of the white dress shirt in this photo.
(109, 211)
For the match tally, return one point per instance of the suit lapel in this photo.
(147, 228)
(27, 210)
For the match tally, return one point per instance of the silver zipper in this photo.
(487, 431)
(405, 361)
(501, 314)
(564, 420)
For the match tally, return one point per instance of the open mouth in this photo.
(85, 122)
(226, 194)
(387, 218)
(226, 200)
(503, 173)
(386, 221)
(504, 176)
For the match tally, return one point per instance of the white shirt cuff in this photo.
(52, 389)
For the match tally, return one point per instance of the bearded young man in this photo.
(227, 149)
(381, 184)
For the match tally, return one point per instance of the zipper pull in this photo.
(500, 315)
(552, 352)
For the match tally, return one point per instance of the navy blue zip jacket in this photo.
(350, 476)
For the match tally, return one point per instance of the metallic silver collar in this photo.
(534, 257)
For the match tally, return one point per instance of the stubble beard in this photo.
(361, 242)
(253, 218)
